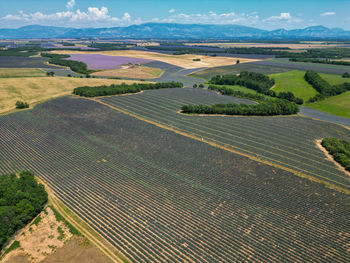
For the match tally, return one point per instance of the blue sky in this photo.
(265, 14)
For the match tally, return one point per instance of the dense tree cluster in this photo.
(123, 88)
(251, 80)
(59, 59)
(21, 199)
(290, 97)
(21, 104)
(339, 149)
(321, 61)
(239, 94)
(346, 75)
(323, 87)
(265, 108)
(109, 46)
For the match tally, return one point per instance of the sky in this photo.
(264, 14)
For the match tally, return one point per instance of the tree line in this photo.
(264, 108)
(321, 61)
(259, 82)
(323, 87)
(96, 91)
(21, 199)
(339, 149)
(59, 59)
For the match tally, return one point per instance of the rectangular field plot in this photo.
(162, 197)
(288, 141)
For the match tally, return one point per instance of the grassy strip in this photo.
(60, 218)
(16, 244)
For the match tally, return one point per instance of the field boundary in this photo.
(330, 157)
(84, 228)
(201, 139)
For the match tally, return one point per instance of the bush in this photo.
(339, 149)
(21, 199)
(346, 75)
(21, 105)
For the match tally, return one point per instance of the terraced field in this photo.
(285, 141)
(161, 197)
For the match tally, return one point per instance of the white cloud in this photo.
(70, 5)
(282, 16)
(328, 14)
(93, 17)
(172, 10)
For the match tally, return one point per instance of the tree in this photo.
(237, 61)
(21, 105)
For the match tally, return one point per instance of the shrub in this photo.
(21, 105)
(339, 149)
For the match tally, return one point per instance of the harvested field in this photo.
(34, 90)
(236, 69)
(21, 72)
(132, 71)
(96, 61)
(184, 61)
(294, 81)
(159, 196)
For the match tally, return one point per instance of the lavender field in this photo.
(96, 61)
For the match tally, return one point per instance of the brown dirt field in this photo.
(38, 241)
(270, 45)
(184, 61)
(35, 90)
(136, 72)
(77, 250)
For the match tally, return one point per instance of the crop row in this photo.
(287, 141)
(158, 196)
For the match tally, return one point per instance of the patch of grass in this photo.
(61, 233)
(237, 88)
(60, 218)
(36, 221)
(52, 247)
(16, 244)
(294, 82)
(337, 105)
(21, 72)
(334, 79)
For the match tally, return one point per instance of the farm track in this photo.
(158, 196)
(249, 135)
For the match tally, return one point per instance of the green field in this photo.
(338, 105)
(237, 88)
(334, 79)
(236, 69)
(21, 72)
(293, 81)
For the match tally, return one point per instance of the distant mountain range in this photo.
(176, 31)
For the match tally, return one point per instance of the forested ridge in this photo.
(21, 199)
